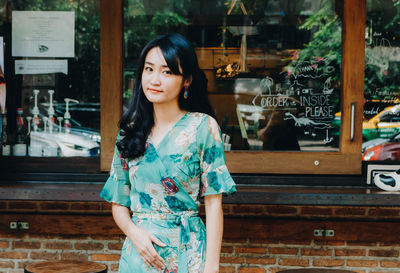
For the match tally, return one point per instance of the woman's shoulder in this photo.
(199, 117)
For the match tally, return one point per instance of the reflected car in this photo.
(80, 141)
(63, 144)
(383, 125)
(384, 151)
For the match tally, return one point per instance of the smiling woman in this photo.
(168, 155)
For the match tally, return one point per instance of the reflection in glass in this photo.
(54, 114)
(381, 124)
(273, 67)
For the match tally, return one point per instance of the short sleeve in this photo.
(215, 177)
(117, 187)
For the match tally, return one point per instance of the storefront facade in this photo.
(291, 85)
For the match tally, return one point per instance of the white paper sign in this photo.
(43, 33)
(41, 66)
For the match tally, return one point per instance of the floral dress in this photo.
(163, 190)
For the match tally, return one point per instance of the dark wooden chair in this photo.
(316, 270)
(65, 267)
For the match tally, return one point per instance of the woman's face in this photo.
(160, 85)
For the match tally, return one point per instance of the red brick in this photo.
(281, 210)
(255, 261)
(383, 253)
(259, 250)
(115, 267)
(316, 211)
(248, 209)
(74, 256)
(283, 250)
(44, 255)
(115, 246)
(316, 252)
(384, 271)
(226, 269)
(4, 244)
(58, 245)
(85, 206)
(13, 255)
(74, 237)
(105, 257)
(6, 265)
(234, 239)
(327, 262)
(89, 246)
(294, 262)
(232, 260)
(227, 249)
(295, 242)
(350, 252)
(383, 212)
(362, 263)
(390, 263)
(251, 270)
(27, 245)
(22, 205)
(108, 237)
(360, 243)
(329, 243)
(54, 206)
(350, 211)
(23, 264)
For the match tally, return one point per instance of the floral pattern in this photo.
(163, 190)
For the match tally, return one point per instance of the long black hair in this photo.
(137, 121)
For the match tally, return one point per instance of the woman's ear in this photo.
(187, 82)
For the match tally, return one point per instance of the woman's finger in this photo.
(157, 241)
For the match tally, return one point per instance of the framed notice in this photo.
(43, 33)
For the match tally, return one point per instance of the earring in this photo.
(186, 93)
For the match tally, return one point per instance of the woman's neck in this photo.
(166, 114)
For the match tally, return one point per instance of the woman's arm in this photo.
(214, 226)
(141, 239)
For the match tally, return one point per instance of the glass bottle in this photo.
(5, 141)
(20, 136)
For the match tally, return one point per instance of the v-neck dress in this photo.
(163, 190)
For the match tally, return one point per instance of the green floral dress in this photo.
(163, 190)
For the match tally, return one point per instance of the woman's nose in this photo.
(155, 79)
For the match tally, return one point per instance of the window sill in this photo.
(251, 190)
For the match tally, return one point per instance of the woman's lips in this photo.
(154, 91)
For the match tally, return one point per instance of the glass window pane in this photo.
(273, 67)
(381, 125)
(52, 77)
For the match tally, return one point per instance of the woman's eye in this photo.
(167, 72)
(148, 68)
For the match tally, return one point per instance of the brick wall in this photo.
(257, 238)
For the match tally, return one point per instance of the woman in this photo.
(168, 154)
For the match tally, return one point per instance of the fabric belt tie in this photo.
(181, 219)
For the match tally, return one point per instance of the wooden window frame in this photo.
(346, 161)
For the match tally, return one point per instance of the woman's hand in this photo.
(141, 239)
(143, 243)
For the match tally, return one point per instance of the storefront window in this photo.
(51, 63)
(381, 126)
(273, 67)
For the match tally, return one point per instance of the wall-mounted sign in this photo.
(43, 33)
(41, 66)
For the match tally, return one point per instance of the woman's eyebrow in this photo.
(150, 63)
